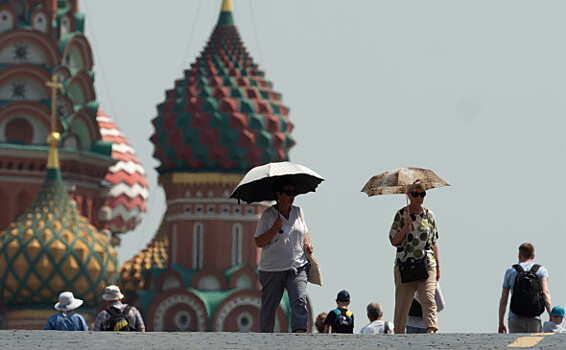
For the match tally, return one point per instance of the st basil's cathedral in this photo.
(61, 222)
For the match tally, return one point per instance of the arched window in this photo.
(21, 10)
(174, 244)
(40, 22)
(6, 20)
(5, 218)
(237, 244)
(19, 131)
(197, 246)
(23, 200)
(65, 26)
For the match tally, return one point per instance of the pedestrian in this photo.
(376, 325)
(528, 283)
(117, 316)
(319, 322)
(283, 237)
(414, 234)
(66, 319)
(340, 320)
(556, 318)
(415, 322)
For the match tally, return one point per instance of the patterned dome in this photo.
(52, 248)
(223, 115)
(132, 273)
(129, 190)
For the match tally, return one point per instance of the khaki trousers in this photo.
(404, 293)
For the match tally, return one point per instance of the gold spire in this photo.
(54, 137)
(226, 5)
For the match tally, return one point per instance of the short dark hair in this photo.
(527, 250)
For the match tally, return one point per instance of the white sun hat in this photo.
(67, 302)
(112, 293)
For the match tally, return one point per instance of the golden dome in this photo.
(132, 273)
(52, 248)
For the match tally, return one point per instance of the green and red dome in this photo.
(223, 115)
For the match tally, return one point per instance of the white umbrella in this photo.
(257, 185)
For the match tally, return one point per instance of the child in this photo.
(376, 325)
(319, 323)
(341, 320)
(556, 317)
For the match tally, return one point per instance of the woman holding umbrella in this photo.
(417, 268)
(414, 234)
(283, 237)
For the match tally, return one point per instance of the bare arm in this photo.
(327, 328)
(546, 294)
(502, 307)
(307, 244)
(435, 248)
(266, 237)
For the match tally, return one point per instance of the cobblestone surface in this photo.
(17, 339)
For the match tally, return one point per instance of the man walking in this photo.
(118, 316)
(528, 283)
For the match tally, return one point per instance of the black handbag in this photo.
(413, 270)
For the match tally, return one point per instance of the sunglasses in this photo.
(416, 194)
(288, 192)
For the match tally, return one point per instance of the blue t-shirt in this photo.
(66, 322)
(511, 275)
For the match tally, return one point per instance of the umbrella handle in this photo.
(279, 214)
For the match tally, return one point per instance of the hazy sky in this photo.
(472, 89)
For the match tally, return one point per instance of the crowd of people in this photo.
(283, 237)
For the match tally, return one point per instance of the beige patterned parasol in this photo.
(396, 181)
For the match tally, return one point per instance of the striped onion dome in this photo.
(132, 273)
(127, 178)
(52, 248)
(223, 115)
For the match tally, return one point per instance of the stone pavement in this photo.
(19, 339)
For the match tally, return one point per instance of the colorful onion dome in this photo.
(132, 273)
(52, 248)
(129, 189)
(223, 115)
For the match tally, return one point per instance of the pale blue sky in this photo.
(472, 89)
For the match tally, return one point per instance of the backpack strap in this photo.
(535, 268)
(386, 326)
(302, 217)
(519, 268)
(113, 311)
(337, 312)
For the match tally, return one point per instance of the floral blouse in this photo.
(420, 238)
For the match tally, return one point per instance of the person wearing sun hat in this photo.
(66, 319)
(118, 316)
(556, 317)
